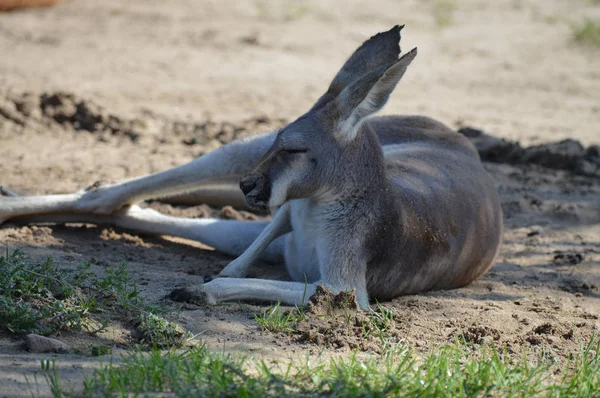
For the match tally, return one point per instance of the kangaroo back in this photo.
(450, 212)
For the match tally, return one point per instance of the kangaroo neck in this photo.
(360, 174)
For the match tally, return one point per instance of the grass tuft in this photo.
(587, 33)
(154, 330)
(283, 11)
(52, 377)
(39, 297)
(378, 323)
(443, 12)
(275, 319)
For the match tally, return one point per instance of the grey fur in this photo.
(386, 206)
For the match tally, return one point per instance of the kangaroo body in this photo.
(383, 205)
(422, 226)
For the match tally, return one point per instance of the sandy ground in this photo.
(175, 81)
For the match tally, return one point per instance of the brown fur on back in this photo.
(449, 209)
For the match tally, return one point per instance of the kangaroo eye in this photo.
(295, 150)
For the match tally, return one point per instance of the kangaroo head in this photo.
(308, 154)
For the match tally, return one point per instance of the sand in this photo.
(110, 90)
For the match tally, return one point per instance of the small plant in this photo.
(378, 323)
(443, 12)
(100, 349)
(156, 331)
(52, 377)
(275, 319)
(587, 33)
(39, 297)
(286, 11)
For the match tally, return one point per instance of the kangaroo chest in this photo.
(301, 257)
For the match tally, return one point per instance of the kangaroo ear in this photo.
(367, 95)
(380, 50)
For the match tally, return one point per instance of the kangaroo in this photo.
(386, 206)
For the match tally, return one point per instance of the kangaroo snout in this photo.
(256, 189)
(247, 185)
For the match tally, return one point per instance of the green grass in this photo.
(40, 298)
(452, 371)
(587, 33)
(154, 330)
(43, 298)
(285, 11)
(443, 12)
(275, 319)
(378, 323)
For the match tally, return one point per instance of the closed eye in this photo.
(299, 150)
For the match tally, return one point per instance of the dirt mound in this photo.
(324, 302)
(335, 321)
(72, 112)
(569, 154)
(479, 334)
(567, 258)
(68, 110)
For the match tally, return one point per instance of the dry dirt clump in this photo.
(567, 258)
(85, 115)
(548, 333)
(479, 334)
(335, 321)
(68, 110)
(569, 154)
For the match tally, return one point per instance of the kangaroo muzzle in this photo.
(257, 190)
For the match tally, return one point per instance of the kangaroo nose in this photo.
(247, 186)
